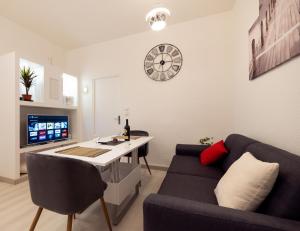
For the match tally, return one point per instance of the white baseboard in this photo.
(12, 181)
(156, 167)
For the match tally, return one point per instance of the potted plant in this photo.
(207, 141)
(27, 79)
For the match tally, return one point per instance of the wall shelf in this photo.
(46, 146)
(45, 105)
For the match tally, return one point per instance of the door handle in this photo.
(119, 120)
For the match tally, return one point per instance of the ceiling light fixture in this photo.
(157, 18)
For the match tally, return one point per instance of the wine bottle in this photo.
(127, 131)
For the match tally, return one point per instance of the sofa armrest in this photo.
(164, 213)
(189, 149)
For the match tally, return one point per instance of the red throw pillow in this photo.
(213, 153)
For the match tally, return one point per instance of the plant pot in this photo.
(26, 97)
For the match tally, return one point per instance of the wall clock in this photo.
(163, 62)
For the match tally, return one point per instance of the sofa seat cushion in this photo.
(189, 187)
(189, 165)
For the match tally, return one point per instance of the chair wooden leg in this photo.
(106, 213)
(70, 220)
(74, 216)
(147, 165)
(128, 159)
(36, 219)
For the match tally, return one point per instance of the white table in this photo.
(123, 179)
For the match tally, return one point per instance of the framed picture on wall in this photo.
(274, 38)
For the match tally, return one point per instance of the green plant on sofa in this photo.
(27, 80)
(207, 141)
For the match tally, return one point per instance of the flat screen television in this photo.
(47, 128)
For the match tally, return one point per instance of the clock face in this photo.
(163, 62)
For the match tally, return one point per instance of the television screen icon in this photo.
(42, 137)
(64, 124)
(57, 131)
(50, 126)
(32, 127)
(33, 138)
(57, 135)
(50, 132)
(41, 133)
(42, 126)
(57, 125)
(33, 134)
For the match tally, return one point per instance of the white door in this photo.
(107, 104)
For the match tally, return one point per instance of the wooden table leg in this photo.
(70, 220)
(106, 213)
(36, 219)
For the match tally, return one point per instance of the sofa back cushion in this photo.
(284, 199)
(247, 183)
(236, 145)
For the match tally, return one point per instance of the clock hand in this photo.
(164, 61)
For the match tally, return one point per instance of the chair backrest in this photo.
(142, 151)
(63, 185)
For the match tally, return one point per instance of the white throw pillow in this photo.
(246, 183)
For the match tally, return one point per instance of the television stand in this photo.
(57, 141)
(47, 145)
(38, 148)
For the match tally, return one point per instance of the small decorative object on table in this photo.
(115, 140)
(27, 79)
(207, 140)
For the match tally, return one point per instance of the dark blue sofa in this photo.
(186, 199)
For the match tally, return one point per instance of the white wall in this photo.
(196, 103)
(211, 96)
(8, 160)
(28, 45)
(267, 108)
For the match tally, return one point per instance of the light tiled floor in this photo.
(17, 210)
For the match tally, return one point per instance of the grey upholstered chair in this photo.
(64, 185)
(142, 151)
